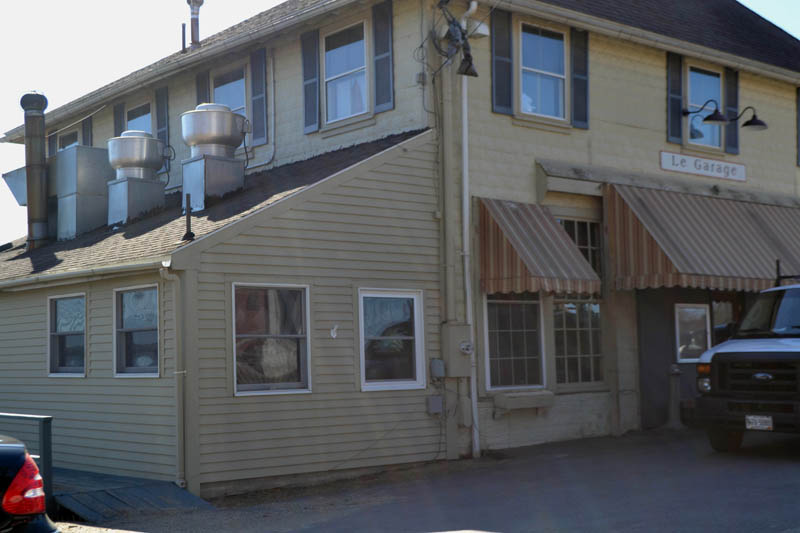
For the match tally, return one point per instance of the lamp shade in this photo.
(716, 118)
(755, 124)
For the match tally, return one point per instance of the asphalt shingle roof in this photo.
(724, 25)
(160, 234)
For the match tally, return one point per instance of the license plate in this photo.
(758, 422)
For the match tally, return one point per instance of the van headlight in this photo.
(704, 384)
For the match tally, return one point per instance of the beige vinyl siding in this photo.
(373, 229)
(123, 426)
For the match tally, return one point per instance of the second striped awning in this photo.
(524, 249)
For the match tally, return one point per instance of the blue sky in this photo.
(58, 65)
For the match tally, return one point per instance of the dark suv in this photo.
(22, 500)
(752, 382)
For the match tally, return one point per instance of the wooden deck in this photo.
(98, 497)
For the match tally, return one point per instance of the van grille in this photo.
(742, 377)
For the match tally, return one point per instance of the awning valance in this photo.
(523, 248)
(668, 239)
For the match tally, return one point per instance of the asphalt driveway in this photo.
(653, 481)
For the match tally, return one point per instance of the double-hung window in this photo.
(346, 89)
(578, 349)
(139, 118)
(271, 344)
(67, 322)
(514, 340)
(229, 89)
(542, 76)
(136, 331)
(704, 85)
(392, 345)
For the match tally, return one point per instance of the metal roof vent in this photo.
(136, 156)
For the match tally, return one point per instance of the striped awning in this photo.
(668, 239)
(523, 248)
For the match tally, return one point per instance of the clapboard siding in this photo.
(123, 426)
(374, 228)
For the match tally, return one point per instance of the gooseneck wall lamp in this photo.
(715, 118)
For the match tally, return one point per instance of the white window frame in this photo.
(542, 348)
(720, 103)
(244, 65)
(150, 103)
(419, 340)
(50, 372)
(367, 72)
(565, 76)
(307, 316)
(562, 298)
(707, 309)
(159, 357)
(64, 134)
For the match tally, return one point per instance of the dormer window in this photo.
(345, 74)
(139, 118)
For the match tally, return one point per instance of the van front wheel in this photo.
(725, 441)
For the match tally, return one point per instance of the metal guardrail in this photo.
(45, 458)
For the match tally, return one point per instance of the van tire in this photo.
(725, 441)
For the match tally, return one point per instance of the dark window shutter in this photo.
(162, 121)
(579, 43)
(258, 86)
(731, 110)
(203, 92)
(674, 98)
(86, 131)
(797, 105)
(382, 37)
(310, 47)
(119, 119)
(52, 147)
(502, 65)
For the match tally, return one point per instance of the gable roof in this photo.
(724, 25)
(157, 236)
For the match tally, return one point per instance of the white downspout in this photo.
(465, 245)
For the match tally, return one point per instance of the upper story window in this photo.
(704, 85)
(229, 89)
(543, 78)
(136, 331)
(67, 321)
(66, 140)
(392, 347)
(139, 118)
(346, 90)
(271, 339)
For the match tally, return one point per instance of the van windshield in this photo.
(775, 313)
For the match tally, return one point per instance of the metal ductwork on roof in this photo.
(213, 133)
(34, 105)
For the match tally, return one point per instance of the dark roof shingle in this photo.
(159, 234)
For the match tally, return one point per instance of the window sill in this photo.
(347, 125)
(578, 388)
(390, 386)
(132, 375)
(275, 392)
(65, 375)
(542, 123)
(511, 401)
(703, 151)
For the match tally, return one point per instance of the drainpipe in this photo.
(34, 105)
(180, 375)
(466, 235)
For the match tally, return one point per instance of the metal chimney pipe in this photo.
(195, 7)
(34, 105)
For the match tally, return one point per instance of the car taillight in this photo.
(25, 495)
